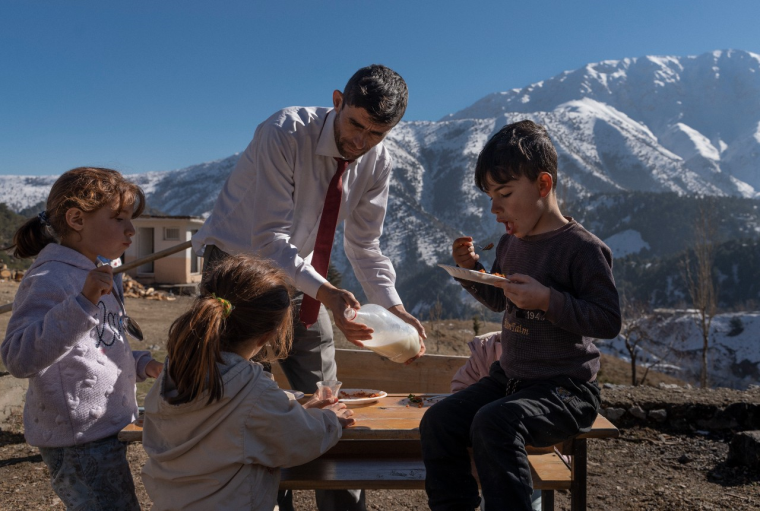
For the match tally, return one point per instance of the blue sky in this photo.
(157, 85)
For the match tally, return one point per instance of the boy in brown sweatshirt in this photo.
(560, 293)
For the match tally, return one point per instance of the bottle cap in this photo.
(349, 314)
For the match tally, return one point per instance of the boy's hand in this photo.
(463, 252)
(99, 282)
(526, 292)
(153, 369)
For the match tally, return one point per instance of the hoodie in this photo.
(484, 350)
(80, 367)
(227, 454)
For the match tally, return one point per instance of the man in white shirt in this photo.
(272, 202)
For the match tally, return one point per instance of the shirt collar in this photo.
(326, 144)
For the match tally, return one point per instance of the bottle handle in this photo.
(350, 314)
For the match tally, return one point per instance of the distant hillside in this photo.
(661, 222)
(658, 281)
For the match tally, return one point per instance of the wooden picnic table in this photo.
(383, 451)
(390, 418)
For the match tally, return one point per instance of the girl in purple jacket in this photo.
(67, 337)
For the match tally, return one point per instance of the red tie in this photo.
(320, 260)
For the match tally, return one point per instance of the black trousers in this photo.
(498, 427)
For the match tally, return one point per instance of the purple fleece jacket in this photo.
(81, 370)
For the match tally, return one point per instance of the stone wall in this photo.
(682, 409)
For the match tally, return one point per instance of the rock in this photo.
(637, 412)
(658, 415)
(12, 396)
(608, 386)
(664, 386)
(745, 449)
(684, 459)
(613, 414)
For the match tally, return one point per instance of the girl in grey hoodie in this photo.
(217, 428)
(66, 337)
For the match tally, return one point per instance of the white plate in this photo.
(361, 400)
(475, 276)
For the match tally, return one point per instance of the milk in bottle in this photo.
(392, 338)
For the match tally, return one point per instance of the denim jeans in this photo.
(92, 476)
(498, 427)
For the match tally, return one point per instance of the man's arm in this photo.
(270, 160)
(362, 245)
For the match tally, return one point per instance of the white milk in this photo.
(392, 338)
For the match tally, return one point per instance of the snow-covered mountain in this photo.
(676, 347)
(690, 125)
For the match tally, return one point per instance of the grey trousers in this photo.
(311, 359)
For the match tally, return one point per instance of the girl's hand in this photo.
(99, 282)
(526, 292)
(315, 402)
(344, 414)
(339, 409)
(463, 252)
(154, 369)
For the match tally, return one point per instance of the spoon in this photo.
(487, 247)
(128, 324)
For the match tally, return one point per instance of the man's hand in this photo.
(99, 282)
(463, 252)
(526, 292)
(154, 368)
(338, 300)
(398, 310)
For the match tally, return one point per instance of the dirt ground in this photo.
(644, 469)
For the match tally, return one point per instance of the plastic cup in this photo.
(328, 388)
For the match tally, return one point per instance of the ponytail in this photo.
(195, 350)
(243, 300)
(32, 237)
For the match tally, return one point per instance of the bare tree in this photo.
(435, 314)
(699, 275)
(634, 331)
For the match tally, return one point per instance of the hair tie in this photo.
(226, 305)
(44, 220)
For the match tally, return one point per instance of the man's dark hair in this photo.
(380, 91)
(518, 149)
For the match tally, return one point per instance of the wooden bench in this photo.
(398, 465)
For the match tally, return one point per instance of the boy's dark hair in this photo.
(519, 149)
(378, 90)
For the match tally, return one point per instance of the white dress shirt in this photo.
(272, 202)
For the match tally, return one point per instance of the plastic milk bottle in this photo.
(392, 338)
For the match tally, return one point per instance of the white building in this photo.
(157, 233)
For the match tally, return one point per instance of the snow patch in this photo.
(626, 242)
